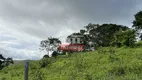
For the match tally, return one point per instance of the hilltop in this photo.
(104, 64)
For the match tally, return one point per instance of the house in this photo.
(75, 39)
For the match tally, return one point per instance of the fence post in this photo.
(26, 70)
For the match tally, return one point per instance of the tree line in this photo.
(103, 35)
(112, 34)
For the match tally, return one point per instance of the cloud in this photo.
(23, 24)
(20, 54)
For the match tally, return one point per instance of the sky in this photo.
(24, 23)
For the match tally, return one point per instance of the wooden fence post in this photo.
(26, 70)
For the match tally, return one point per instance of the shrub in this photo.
(138, 44)
(38, 75)
(102, 50)
(45, 56)
(3, 78)
(124, 38)
(44, 62)
(118, 71)
(111, 50)
(88, 77)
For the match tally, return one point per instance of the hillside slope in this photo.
(105, 64)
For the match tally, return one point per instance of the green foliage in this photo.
(137, 23)
(44, 62)
(50, 44)
(112, 50)
(4, 62)
(91, 26)
(104, 33)
(124, 38)
(101, 35)
(102, 50)
(115, 64)
(118, 71)
(38, 75)
(138, 44)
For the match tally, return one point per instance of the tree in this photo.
(100, 35)
(8, 61)
(1, 57)
(137, 23)
(82, 31)
(103, 34)
(91, 26)
(87, 36)
(5, 61)
(124, 38)
(51, 44)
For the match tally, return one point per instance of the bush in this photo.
(44, 62)
(111, 50)
(124, 38)
(3, 78)
(45, 56)
(38, 75)
(102, 50)
(118, 71)
(138, 44)
(88, 77)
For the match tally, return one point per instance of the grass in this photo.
(104, 64)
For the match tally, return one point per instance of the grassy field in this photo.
(104, 64)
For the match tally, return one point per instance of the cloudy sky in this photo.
(24, 23)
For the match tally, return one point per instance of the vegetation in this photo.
(51, 44)
(137, 23)
(107, 63)
(107, 35)
(5, 61)
(124, 38)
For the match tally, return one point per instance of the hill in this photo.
(104, 64)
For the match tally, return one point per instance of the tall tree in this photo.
(51, 44)
(103, 34)
(137, 23)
